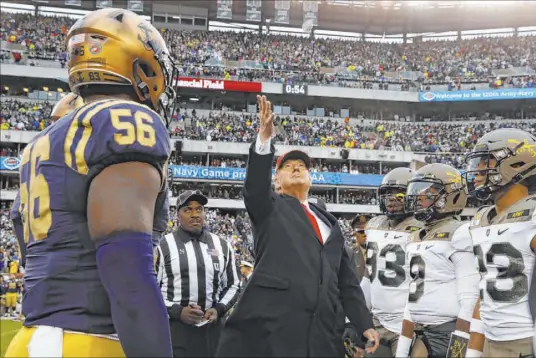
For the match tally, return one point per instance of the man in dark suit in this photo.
(302, 283)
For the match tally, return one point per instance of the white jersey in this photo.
(506, 261)
(433, 298)
(388, 269)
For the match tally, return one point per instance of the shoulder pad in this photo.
(444, 230)
(378, 223)
(417, 235)
(481, 218)
(410, 225)
(109, 132)
(522, 210)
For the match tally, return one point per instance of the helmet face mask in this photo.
(501, 158)
(391, 199)
(436, 191)
(167, 98)
(482, 177)
(392, 191)
(422, 196)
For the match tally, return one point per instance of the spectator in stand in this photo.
(432, 137)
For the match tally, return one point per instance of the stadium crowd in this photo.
(288, 57)
(284, 58)
(431, 137)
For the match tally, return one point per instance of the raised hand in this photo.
(267, 117)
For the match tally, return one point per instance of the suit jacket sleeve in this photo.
(352, 297)
(353, 260)
(258, 184)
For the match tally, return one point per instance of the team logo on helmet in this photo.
(95, 48)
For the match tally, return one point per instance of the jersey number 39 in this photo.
(396, 266)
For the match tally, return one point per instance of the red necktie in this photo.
(314, 223)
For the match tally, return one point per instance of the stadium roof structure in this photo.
(373, 17)
(395, 17)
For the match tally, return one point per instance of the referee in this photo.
(198, 278)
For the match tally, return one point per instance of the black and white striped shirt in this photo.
(197, 271)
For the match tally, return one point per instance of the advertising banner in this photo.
(9, 163)
(218, 85)
(480, 95)
(239, 174)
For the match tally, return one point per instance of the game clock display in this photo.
(299, 89)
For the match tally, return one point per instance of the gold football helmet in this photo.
(392, 191)
(67, 104)
(116, 47)
(500, 159)
(435, 191)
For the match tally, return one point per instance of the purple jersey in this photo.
(62, 283)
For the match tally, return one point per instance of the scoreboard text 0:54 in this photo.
(299, 89)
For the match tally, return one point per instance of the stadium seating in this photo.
(432, 137)
(249, 56)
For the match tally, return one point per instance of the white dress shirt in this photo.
(263, 149)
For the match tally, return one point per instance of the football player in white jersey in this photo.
(387, 282)
(444, 286)
(502, 166)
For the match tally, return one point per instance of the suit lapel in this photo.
(297, 207)
(327, 219)
(321, 215)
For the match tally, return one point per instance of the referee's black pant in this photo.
(191, 341)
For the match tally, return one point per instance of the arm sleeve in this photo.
(365, 287)
(353, 260)
(461, 240)
(230, 283)
(114, 132)
(15, 213)
(353, 300)
(258, 183)
(467, 276)
(467, 281)
(16, 218)
(159, 265)
(262, 148)
(174, 310)
(161, 215)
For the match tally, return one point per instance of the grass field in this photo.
(8, 329)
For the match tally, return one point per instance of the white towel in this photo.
(46, 341)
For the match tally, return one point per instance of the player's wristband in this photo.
(477, 326)
(473, 353)
(462, 334)
(126, 268)
(404, 347)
